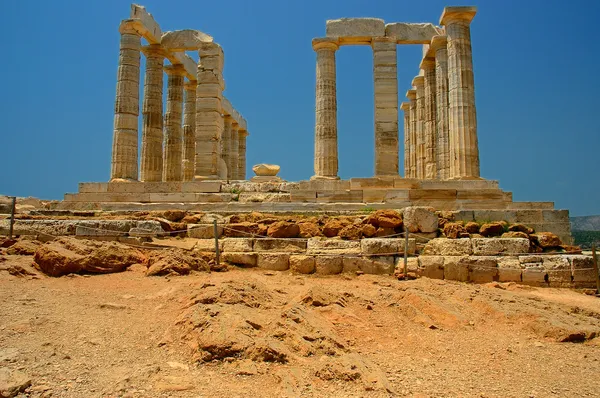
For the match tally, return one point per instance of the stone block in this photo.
(432, 194)
(494, 246)
(92, 187)
(555, 216)
(482, 269)
(81, 230)
(141, 232)
(352, 264)
(582, 267)
(274, 261)
(302, 264)
(238, 245)
(480, 194)
(495, 215)
(509, 269)
(378, 265)
(456, 268)
(280, 245)
(529, 216)
(448, 247)
(387, 246)
(241, 259)
(558, 270)
(328, 265)
(184, 40)
(320, 245)
(355, 30)
(324, 185)
(203, 231)
(303, 196)
(534, 275)
(207, 245)
(464, 215)
(148, 27)
(411, 33)
(431, 267)
(412, 265)
(407, 183)
(347, 196)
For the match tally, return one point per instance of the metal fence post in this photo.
(216, 234)
(12, 217)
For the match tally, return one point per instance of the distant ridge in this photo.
(585, 223)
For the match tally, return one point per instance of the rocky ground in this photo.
(250, 332)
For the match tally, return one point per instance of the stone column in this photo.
(462, 115)
(386, 105)
(152, 111)
(241, 175)
(173, 138)
(438, 46)
(234, 151)
(412, 96)
(428, 66)
(189, 130)
(419, 84)
(226, 145)
(405, 106)
(124, 164)
(326, 150)
(209, 121)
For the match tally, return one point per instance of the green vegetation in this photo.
(584, 239)
(236, 192)
(368, 210)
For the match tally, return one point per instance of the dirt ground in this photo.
(248, 332)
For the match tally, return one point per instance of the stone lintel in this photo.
(464, 13)
(405, 106)
(149, 28)
(176, 69)
(436, 43)
(190, 66)
(411, 94)
(154, 49)
(325, 42)
(185, 40)
(411, 33)
(227, 108)
(418, 81)
(355, 30)
(427, 63)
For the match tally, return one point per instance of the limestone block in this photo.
(203, 231)
(448, 247)
(445, 194)
(319, 245)
(324, 185)
(495, 215)
(303, 196)
(509, 269)
(93, 187)
(148, 26)
(530, 259)
(582, 270)
(208, 105)
(420, 219)
(201, 186)
(551, 216)
(266, 169)
(207, 245)
(328, 265)
(302, 264)
(81, 230)
(558, 270)
(241, 259)
(372, 183)
(274, 261)
(411, 33)
(493, 246)
(387, 246)
(412, 265)
(431, 267)
(280, 245)
(184, 40)
(480, 194)
(378, 265)
(385, 195)
(141, 232)
(238, 245)
(534, 274)
(348, 196)
(456, 268)
(355, 30)
(482, 269)
(529, 216)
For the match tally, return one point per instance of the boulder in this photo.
(385, 219)
(515, 234)
(174, 215)
(240, 230)
(302, 264)
(420, 219)
(491, 229)
(448, 247)
(24, 248)
(69, 255)
(472, 227)
(309, 230)
(266, 170)
(368, 231)
(13, 382)
(174, 262)
(351, 232)
(546, 240)
(192, 218)
(383, 232)
(454, 230)
(332, 228)
(283, 229)
(520, 228)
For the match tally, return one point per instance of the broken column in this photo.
(173, 137)
(386, 105)
(189, 130)
(438, 46)
(419, 84)
(462, 116)
(326, 151)
(152, 111)
(209, 121)
(430, 131)
(412, 97)
(405, 106)
(124, 164)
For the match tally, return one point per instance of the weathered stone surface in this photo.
(509, 269)
(358, 28)
(493, 246)
(333, 227)
(534, 274)
(368, 231)
(378, 265)
(309, 230)
(332, 246)
(520, 228)
(454, 230)
(23, 248)
(280, 245)
(482, 269)
(582, 270)
(328, 265)
(558, 270)
(13, 382)
(420, 219)
(266, 170)
(241, 259)
(203, 231)
(456, 268)
(283, 229)
(385, 219)
(472, 227)
(274, 261)
(448, 247)
(302, 264)
(241, 230)
(174, 262)
(431, 267)
(411, 33)
(238, 245)
(491, 229)
(546, 239)
(515, 234)
(387, 246)
(184, 40)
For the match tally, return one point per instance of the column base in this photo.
(331, 178)
(123, 180)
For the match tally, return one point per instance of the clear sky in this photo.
(536, 76)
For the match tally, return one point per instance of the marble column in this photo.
(172, 161)
(241, 175)
(386, 105)
(226, 146)
(209, 120)
(152, 111)
(326, 149)
(412, 97)
(419, 84)
(234, 152)
(124, 164)
(462, 115)
(428, 66)
(405, 106)
(189, 130)
(438, 46)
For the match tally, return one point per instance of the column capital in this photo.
(411, 95)
(325, 43)
(438, 42)
(190, 85)
(130, 26)
(456, 14)
(418, 81)
(384, 40)
(154, 50)
(243, 133)
(427, 63)
(405, 106)
(176, 70)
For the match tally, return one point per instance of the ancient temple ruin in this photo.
(198, 162)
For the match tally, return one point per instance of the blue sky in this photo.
(535, 68)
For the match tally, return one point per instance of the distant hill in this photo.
(585, 223)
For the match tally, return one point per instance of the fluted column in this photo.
(438, 46)
(226, 146)
(124, 164)
(462, 115)
(412, 96)
(209, 121)
(405, 106)
(326, 150)
(173, 138)
(385, 76)
(241, 175)
(428, 66)
(189, 130)
(152, 111)
(234, 152)
(419, 84)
